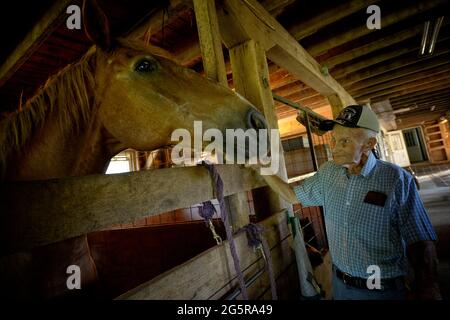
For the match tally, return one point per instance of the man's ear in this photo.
(96, 25)
(371, 142)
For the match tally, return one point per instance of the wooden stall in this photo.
(246, 46)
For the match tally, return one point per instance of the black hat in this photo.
(355, 116)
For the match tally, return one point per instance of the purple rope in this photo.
(207, 211)
(253, 232)
(273, 285)
(223, 215)
(255, 238)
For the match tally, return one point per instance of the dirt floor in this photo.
(434, 183)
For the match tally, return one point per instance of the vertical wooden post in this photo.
(214, 66)
(251, 79)
(336, 103)
(443, 126)
(210, 41)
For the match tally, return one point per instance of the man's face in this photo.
(347, 145)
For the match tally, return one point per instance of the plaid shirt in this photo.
(361, 234)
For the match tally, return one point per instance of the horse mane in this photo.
(68, 92)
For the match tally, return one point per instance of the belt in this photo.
(386, 284)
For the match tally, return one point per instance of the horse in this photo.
(121, 94)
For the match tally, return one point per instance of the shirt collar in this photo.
(367, 168)
(369, 165)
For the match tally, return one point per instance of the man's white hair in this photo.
(368, 133)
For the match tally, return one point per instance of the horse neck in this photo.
(53, 153)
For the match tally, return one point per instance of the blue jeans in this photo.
(342, 291)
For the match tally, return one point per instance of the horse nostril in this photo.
(255, 120)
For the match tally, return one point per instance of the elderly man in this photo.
(376, 223)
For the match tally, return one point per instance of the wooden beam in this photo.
(41, 30)
(424, 89)
(337, 104)
(290, 112)
(276, 7)
(306, 101)
(210, 43)
(373, 46)
(409, 59)
(190, 53)
(158, 18)
(414, 85)
(439, 108)
(251, 79)
(247, 42)
(406, 122)
(255, 23)
(281, 79)
(417, 95)
(324, 84)
(307, 27)
(42, 212)
(191, 280)
(411, 98)
(214, 67)
(400, 72)
(336, 40)
(403, 79)
(297, 90)
(426, 106)
(426, 100)
(339, 72)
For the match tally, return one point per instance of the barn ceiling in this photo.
(383, 67)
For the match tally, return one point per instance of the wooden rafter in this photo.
(335, 40)
(34, 39)
(281, 47)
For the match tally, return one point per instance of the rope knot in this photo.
(253, 232)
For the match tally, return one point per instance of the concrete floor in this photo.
(434, 183)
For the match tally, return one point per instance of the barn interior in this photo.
(317, 56)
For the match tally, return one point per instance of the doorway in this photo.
(415, 145)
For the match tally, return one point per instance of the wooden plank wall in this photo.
(194, 282)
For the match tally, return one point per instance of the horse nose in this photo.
(255, 120)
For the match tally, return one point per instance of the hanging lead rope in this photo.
(256, 240)
(218, 183)
(207, 212)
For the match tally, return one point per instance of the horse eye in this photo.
(145, 66)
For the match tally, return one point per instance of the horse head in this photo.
(144, 95)
(119, 95)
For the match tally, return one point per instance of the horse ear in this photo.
(96, 24)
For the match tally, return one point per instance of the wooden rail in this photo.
(42, 212)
